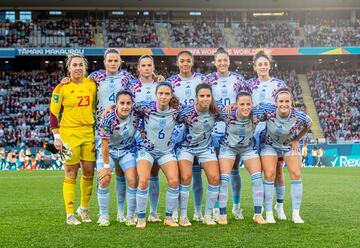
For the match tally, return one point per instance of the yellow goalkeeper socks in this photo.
(69, 188)
(86, 186)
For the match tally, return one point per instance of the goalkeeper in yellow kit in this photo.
(76, 102)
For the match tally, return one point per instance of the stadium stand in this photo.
(142, 32)
(336, 96)
(332, 33)
(48, 33)
(196, 34)
(122, 32)
(266, 34)
(24, 107)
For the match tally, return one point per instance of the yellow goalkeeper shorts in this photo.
(81, 140)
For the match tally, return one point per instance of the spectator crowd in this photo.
(142, 32)
(196, 34)
(332, 33)
(266, 35)
(24, 107)
(336, 97)
(48, 33)
(122, 32)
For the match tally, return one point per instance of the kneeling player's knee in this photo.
(143, 183)
(214, 179)
(269, 176)
(132, 182)
(173, 182)
(295, 175)
(185, 179)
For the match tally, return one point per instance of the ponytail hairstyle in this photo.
(174, 101)
(69, 58)
(124, 92)
(242, 93)
(264, 54)
(184, 52)
(112, 50)
(220, 50)
(286, 91)
(146, 56)
(213, 107)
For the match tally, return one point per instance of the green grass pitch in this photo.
(33, 215)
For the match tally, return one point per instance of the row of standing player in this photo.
(263, 88)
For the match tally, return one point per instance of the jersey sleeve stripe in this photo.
(57, 88)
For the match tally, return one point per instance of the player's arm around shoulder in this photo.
(304, 119)
(260, 112)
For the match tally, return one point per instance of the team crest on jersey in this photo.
(125, 132)
(162, 122)
(56, 98)
(188, 91)
(206, 124)
(148, 96)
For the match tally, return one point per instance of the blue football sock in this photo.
(212, 195)
(257, 191)
(120, 193)
(103, 200)
(197, 188)
(154, 192)
(269, 195)
(236, 187)
(131, 201)
(184, 199)
(280, 193)
(141, 202)
(224, 191)
(172, 200)
(296, 193)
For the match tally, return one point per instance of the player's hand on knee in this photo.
(65, 80)
(103, 173)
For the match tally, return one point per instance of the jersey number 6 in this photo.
(161, 134)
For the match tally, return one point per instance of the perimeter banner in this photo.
(347, 155)
(14, 52)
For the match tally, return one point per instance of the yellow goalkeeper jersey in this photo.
(76, 102)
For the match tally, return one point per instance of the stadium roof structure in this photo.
(183, 4)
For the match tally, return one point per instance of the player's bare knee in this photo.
(173, 182)
(185, 179)
(269, 176)
(295, 175)
(214, 180)
(132, 182)
(143, 183)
